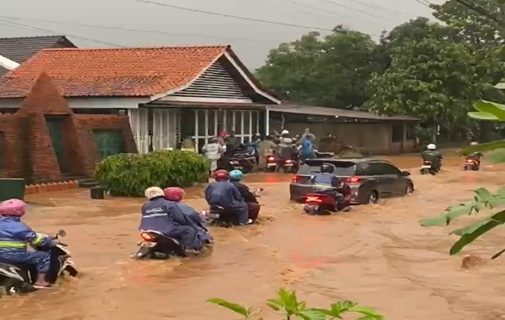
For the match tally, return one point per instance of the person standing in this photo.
(213, 151)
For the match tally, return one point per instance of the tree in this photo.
(328, 71)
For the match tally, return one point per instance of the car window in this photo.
(376, 169)
(342, 168)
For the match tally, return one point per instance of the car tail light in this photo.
(313, 199)
(147, 237)
(353, 179)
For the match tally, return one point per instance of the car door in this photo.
(374, 177)
(387, 177)
(394, 178)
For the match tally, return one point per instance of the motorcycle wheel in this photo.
(13, 286)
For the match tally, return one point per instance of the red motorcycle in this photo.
(328, 201)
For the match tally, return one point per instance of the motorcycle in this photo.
(327, 201)
(155, 245)
(219, 216)
(472, 163)
(244, 158)
(428, 167)
(19, 278)
(275, 163)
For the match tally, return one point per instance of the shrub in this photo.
(290, 307)
(130, 174)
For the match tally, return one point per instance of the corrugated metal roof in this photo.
(339, 113)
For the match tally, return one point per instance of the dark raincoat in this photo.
(195, 217)
(166, 217)
(226, 195)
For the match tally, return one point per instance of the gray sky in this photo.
(250, 40)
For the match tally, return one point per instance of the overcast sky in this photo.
(93, 19)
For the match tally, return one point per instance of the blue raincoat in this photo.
(159, 214)
(307, 151)
(225, 194)
(326, 179)
(14, 239)
(195, 217)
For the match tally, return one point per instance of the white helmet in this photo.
(284, 132)
(474, 143)
(431, 146)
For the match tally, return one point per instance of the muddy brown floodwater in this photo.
(376, 255)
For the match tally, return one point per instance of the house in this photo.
(45, 141)
(375, 133)
(14, 51)
(168, 93)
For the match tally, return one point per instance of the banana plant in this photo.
(288, 304)
(484, 199)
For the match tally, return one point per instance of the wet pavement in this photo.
(376, 255)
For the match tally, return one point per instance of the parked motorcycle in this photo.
(428, 167)
(155, 245)
(328, 201)
(19, 278)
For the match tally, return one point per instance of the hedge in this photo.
(130, 174)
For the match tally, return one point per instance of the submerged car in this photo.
(369, 179)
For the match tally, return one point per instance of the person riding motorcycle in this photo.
(307, 145)
(165, 217)
(433, 155)
(328, 183)
(286, 148)
(176, 194)
(223, 193)
(252, 203)
(15, 237)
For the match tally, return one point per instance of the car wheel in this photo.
(410, 189)
(373, 198)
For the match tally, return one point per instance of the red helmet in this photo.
(12, 207)
(221, 175)
(174, 194)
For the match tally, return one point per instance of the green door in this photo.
(108, 142)
(54, 124)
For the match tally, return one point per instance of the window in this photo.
(386, 168)
(397, 133)
(342, 168)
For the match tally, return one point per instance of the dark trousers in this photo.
(254, 210)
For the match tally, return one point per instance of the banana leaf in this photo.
(448, 215)
(474, 231)
(493, 108)
(484, 147)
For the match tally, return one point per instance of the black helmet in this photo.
(326, 167)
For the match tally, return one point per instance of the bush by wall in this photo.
(129, 174)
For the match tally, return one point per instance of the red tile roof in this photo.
(129, 72)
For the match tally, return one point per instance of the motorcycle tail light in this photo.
(469, 161)
(294, 179)
(270, 159)
(313, 199)
(147, 237)
(289, 161)
(353, 180)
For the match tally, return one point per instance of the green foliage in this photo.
(328, 71)
(287, 302)
(483, 199)
(130, 174)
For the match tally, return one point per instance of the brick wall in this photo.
(86, 123)
(28, 145)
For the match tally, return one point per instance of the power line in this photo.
(27, 26)
(301, 4)
(119, 28)
(482, 11)
(356, 9)
(232, 16)
(379, 7)
(424, 3)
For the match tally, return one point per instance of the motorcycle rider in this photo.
(307, 145)
(223, 193)
(15, 236)
(164, 216)
(328, 182)
(252, 203)
(176, 194)
(475, 155)
(433, 155)
(286, 148)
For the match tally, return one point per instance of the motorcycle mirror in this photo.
(62, 233)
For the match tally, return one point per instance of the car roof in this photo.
(334, 159)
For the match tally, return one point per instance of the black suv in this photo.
(369, 179)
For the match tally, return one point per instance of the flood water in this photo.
(375, 255)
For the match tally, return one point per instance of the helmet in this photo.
(326, 167)
(431, 146)
(474, 143)
(236, 175)
(153, 192)
(221, 175)
(174, 194)
(12, 207)
(284, 132)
